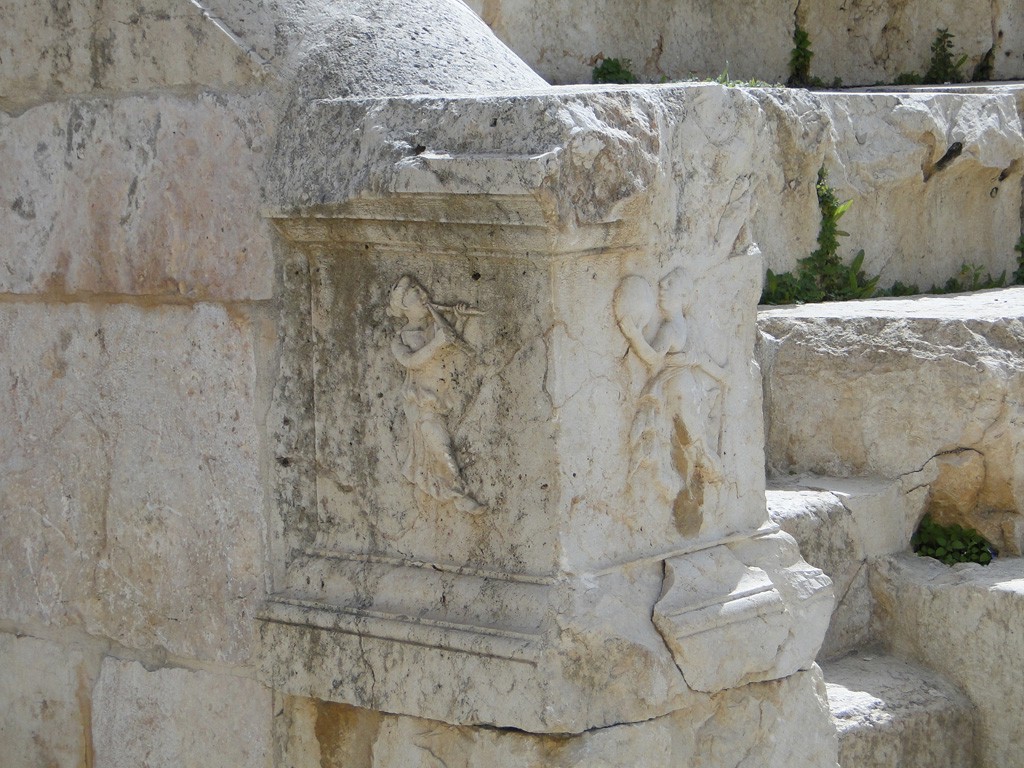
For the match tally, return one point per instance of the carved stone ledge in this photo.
(727, 621)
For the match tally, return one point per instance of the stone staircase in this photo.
(889, 712)
(875, 412)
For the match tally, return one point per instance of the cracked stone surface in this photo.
(763, 725)
(884, 387)
(490, 550)
(881, 152)
(841, 525)
(136, 328)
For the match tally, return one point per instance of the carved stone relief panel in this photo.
(431, 428)
(430, 345)
(676, 436)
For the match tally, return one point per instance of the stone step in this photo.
(967, 623)
(928, 389)
(892, 714)
(841, 524)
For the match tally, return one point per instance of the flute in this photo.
(459, 309)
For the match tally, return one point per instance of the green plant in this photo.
(800, 58)
(908, 78)
(899, 288)
(613, 71)
(969, 279)
(822, 276)
(728, 82)
(951, 543)
(943, 69)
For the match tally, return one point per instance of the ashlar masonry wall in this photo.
(856, 42)
(138, 334)
(136, 288)
(142, 294)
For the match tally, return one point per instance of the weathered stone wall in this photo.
(935, 179)
(139, 317)
(859, 42)
(138, 339)
(135, 281)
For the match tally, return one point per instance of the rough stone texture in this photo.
(766, 725)
(895, 387)
(133, 471)
(862, 43)
(179, 717)
(859, 42)
(337, 49)
(885, 152)
(841, 525)
(130, 489)
(965, 623)
(662, 39)
(141, 195)
(50, 50)
(44, 720)
(888, 712)
(1008, 51)
(877, 147)
(490, 551)
(374, 47)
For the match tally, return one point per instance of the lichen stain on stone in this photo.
(687, 514)
(346, 735)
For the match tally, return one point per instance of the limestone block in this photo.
(1008, 51)
(709, 600)
(827, 538)
(713, 605)
(142, 195)
(51, 50)
(782, 724)
(841, 524)
(964, 622)
(178, 717)
(486, 276)
(44, 719)
(662, 39)
(882, 387)
(905, 160)
(863, 43)
(889, 712)
(859, 42)
(350, 49)
(130, 487)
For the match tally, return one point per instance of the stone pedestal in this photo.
(521, 463)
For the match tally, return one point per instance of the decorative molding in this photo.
(724, 621)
